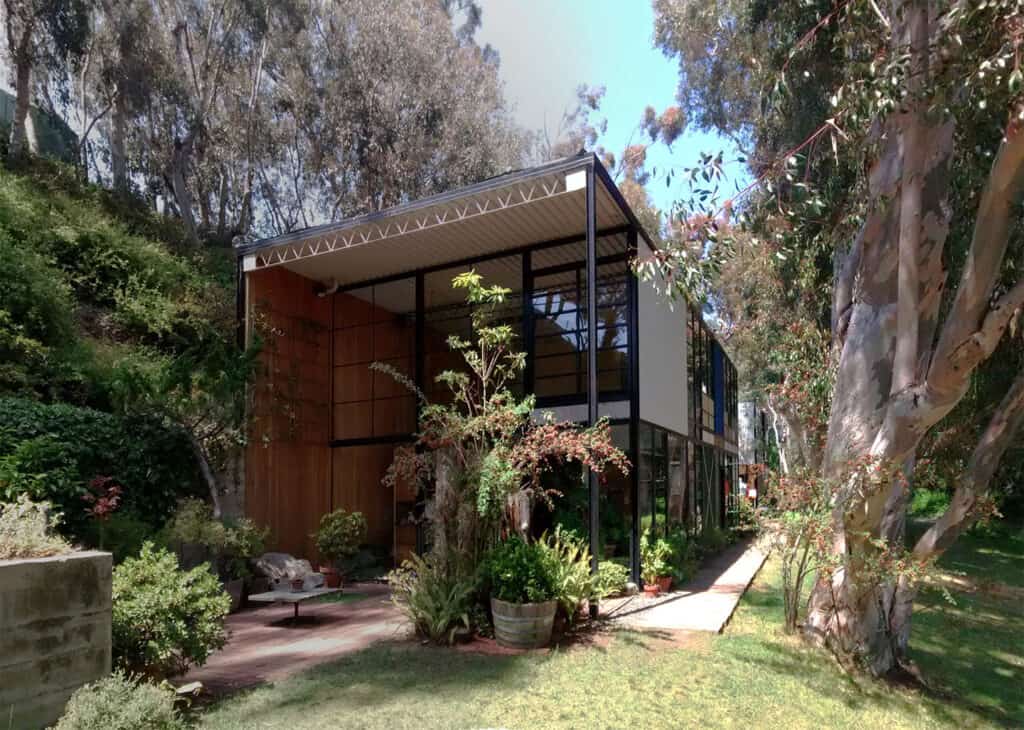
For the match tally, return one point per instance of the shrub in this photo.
(165, 619)
(654, 557)
(436, 604)
(340, 534)
(929, 503)
(683, 558)
(231, 544)
(52, 452)
(27, 530)
(611, 579)
(118, 702)
(713, 540)
(517, 571)
(123, 535)
(568, 558)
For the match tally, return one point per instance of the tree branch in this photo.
(976, 479)
(996, 213)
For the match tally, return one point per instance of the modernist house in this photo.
(332, 299)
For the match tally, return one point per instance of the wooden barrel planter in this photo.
(523, 625)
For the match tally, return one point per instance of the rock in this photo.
(282, 567)
(632, 589)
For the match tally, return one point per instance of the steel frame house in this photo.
(328, 301)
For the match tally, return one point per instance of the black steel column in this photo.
(634, 407)
(240, 313)
(528, 326)
(592, 481)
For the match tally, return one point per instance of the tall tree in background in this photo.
(47, 34)
(853, 117)
(232, 111)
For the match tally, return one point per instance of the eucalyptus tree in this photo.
(888, 144)
(41, 35)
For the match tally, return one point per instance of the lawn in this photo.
(753, 675)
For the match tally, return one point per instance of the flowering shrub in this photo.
(103, 498)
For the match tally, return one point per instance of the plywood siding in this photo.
(288, 458)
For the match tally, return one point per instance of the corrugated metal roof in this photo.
(503, 213)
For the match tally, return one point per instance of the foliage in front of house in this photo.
(165, 619)
(119, 702)
(229, 544)
(340, 534)
(481, 458)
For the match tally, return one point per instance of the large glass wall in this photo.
(446, 314)
(662, 474)
(571, 508)
(559, 322)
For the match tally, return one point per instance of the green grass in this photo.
(752, 676)
(974, 649)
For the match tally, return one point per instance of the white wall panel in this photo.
(662, 343)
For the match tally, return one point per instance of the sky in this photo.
(549, 47)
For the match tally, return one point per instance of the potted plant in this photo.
(339, 536)
(242, 542)
(654, 567)
(523, 594)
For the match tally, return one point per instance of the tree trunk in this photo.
(896, 379)
(212, 484)
(180, 158)
(19, 143)
(118, 158)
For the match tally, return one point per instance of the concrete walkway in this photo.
(267, 645)
(706, 603)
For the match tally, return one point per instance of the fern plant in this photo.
(437, 603)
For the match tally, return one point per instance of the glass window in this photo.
(559, 303)
(653, 476)
(447, 314)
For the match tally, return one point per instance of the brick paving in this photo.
(706, 603)
(267, 645)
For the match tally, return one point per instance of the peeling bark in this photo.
(892, 384)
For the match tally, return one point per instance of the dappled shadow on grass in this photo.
(374, 676)
(756, 638)
(973, 651)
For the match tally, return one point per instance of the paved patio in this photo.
(706, 603)
(267, 645)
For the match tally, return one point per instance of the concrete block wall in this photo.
(54, 633)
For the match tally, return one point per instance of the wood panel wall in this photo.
(288, 458)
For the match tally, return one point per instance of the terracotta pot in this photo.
(332, 578)
(651, 589)
(665, 583)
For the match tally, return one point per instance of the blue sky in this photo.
(549, 47)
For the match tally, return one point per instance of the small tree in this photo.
(483, 454)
